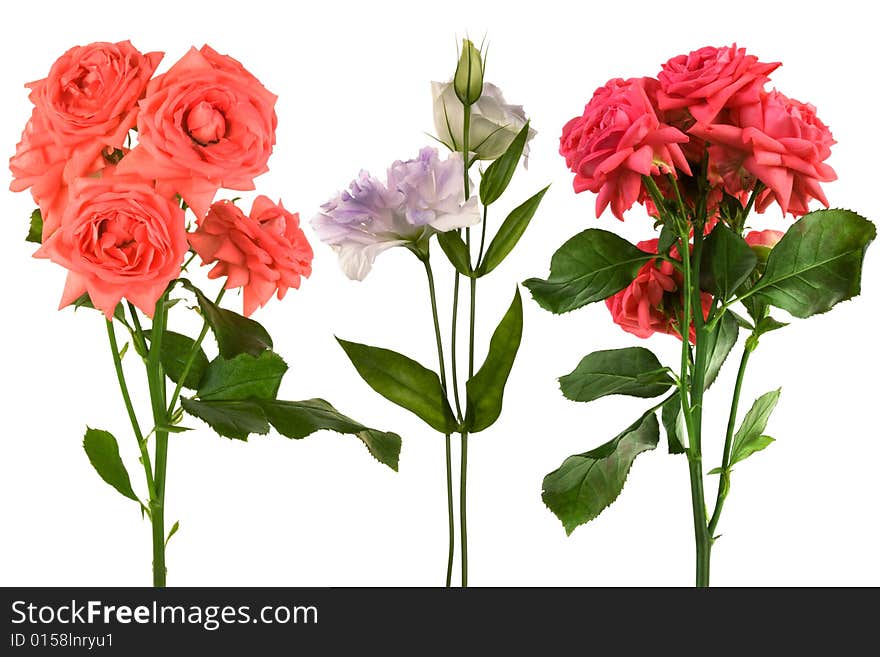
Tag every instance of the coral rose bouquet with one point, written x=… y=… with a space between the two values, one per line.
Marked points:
x=125 y=166
x=431 y=197
x=700 y=147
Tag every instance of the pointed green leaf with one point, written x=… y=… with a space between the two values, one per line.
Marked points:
x=485 y=391
x=403 y=381
x=85 y=301
x=103 y=452
x=176 y=351
x=633 y=371
x=497 y=176
x=667 y=238
x=590 y=267
x=235 y=334
x=586 y=484
x=243 y=377
x=817 y=263
x=298 y=419
x=770 y=324
x=750 y=437
x=727 y=262
x=673 y=421
x=456 y=251
x=173 y=531
x=231 y=418
x=35 y=229
x=509 y=233
x=720 y=343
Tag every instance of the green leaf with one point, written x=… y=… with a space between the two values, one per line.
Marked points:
x=668 y=238
x=509 y=233
x=633 y=371
x=456 y=251
x=721 y=342
x=235 y=333
x=85 y=301
x=35 y=230
x=231 y=418
x=750 y=437
x=103 y=452
x=485 y=390
x=298 y=419
x=590 y=267
x=403 y=381
x=173 y=531
x=243 y=377
x=586 y=484
x=817 y=263
x=497 y=176
x=768 y=324
x=727 y=262
x=176 y=350
x=673 y=421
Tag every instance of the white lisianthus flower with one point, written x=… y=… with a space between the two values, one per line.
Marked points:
x=494 y=123
x=422 y=197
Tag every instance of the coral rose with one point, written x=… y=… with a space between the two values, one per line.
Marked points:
x=118 y=238
x=709 y=79
x=778 y=141
x=647 y=305
x=616 y=141
x=263 y=253
x=206 y=123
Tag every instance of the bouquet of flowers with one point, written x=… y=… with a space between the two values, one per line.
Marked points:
x=120 y=162
x=699 y=147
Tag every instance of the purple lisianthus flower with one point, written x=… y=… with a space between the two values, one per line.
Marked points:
x=422 y=197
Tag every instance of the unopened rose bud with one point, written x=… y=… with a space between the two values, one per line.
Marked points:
x=468 y=81
x=762 y=241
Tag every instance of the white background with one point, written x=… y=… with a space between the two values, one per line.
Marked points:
x=354 y=90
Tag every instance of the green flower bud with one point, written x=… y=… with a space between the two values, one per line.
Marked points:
x=468 y=81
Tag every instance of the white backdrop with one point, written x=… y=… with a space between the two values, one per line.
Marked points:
x=354 y=90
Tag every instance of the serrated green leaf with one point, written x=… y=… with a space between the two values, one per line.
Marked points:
x=590 y=267
x=485 y=390
x=817 y=263
x=456 y=251
x=243 y=377
x=721 y=342
x=667 y=239
x=673 y=422
x=750 y=437
x=176 y=351
x=403 y=381
x=726 y=262
x=103 y=452
x=768 y=324
x=586 y=484
x=497 y=176
x=230 y=418
x=35 y=228
x=633 y=371
x=509 y=233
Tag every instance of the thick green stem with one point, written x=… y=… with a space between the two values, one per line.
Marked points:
x=724 y=482
x=156 y=380
x=449 y=501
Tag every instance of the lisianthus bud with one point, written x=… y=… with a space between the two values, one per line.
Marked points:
x=468 y=81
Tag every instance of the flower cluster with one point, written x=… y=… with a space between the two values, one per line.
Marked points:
x=420 y=197
x=111 y=201
x=704 y=131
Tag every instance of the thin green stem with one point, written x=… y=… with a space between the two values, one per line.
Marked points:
x=724 y=482
x=156 y=380
x=454 y=350
x=482 y=236
x=129 y=407
x=449 y=501
x=191 y=358
x=462 y=499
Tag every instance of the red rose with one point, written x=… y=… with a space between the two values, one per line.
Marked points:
x=206 y=123
x=616 y=141
x=262 y=253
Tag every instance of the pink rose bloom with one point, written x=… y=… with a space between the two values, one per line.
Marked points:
x=643 y=307
x=206 y=123
x=766 y=238
x=86 y=104
x=118 y=238
x=780 y=142
x=264 y=253
x=710 y=79
x=616 y=141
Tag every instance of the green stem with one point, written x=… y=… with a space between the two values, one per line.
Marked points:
x=724 y=482
x=449 y=502
x=463 y=509
x=156 y=380
x=192 y=358
x=129 y=407
x=454 y=345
